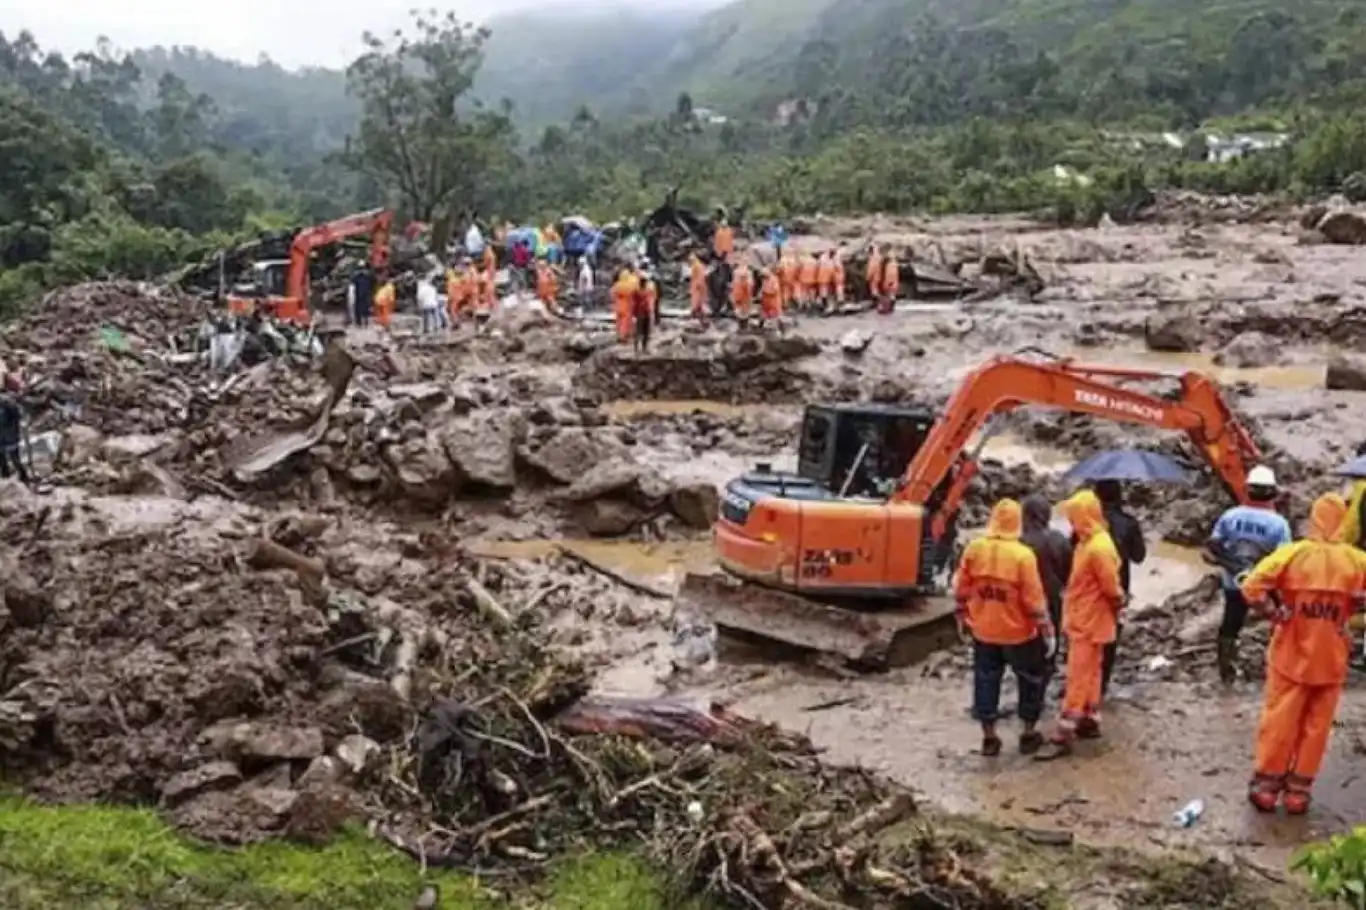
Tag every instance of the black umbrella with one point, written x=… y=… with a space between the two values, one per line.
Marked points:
x=1128 y=464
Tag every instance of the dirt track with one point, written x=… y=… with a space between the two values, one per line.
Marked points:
x=133 y=630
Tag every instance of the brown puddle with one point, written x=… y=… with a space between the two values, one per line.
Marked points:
x=661 y=564
x=627 y=409
x=1292 y=377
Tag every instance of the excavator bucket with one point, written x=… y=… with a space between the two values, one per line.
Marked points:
x=869 y=641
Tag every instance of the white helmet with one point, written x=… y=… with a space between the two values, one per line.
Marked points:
x=1261 y=476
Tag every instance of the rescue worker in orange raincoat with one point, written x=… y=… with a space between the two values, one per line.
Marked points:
x=770 y=296
x=1315 y=586
x=808 y=282
x=838 y=258
x=1090 y=612
x=485 y=294
x=825 y=280
x=874 y=272
x=385 y=300
x=547 y=288
x=890 y=285
x=1001 y=604
x=624 y=303
x=697 y=287
x=742 y=291
x=723 y=241
x=490 y=260
x=787 y=276
x=457 y=291
x=645 y=312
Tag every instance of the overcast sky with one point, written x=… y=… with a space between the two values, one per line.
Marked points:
x=293 y=34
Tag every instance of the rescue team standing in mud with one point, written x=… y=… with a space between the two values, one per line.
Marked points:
x=1017 y=583
x=807 y=282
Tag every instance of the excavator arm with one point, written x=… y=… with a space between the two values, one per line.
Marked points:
x=378 y=223
x=1006 y=383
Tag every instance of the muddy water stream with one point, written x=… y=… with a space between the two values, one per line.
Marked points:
x=1294 y=377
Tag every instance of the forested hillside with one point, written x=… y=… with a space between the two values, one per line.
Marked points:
x=126 y=163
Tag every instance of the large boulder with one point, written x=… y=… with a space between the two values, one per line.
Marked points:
x=695 y=504
x=608 y=517
x=481 y=449
x=1346 y=373
x=619 y=479
x=423 y=470
x=1176 y=334
x=1343 y=227
x=566 y=454
x=1250 y=349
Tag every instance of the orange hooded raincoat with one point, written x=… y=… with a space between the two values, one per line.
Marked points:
x=1090 y=609
x=697 y=286
x=1318 y=581
x=999 y=592
x=742 y=291
x=624 y=304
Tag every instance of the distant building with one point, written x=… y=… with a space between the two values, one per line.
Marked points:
x=708 y=117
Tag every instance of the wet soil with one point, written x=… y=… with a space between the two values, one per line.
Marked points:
x=566 y=473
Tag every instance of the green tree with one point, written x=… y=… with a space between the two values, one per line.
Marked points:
x=417 y=131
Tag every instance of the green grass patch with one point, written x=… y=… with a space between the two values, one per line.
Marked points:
x=107 y=858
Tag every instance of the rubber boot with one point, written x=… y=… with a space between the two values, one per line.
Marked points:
x=1264 y=792
x=1296 y=798
x=1227 y=659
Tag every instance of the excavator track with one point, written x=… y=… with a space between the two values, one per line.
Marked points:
x=865 y=641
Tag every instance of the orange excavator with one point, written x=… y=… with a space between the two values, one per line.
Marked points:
x=851 y=554
x=280 y=286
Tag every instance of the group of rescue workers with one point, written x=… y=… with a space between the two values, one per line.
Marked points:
x=1025 y=591
x=808 y=282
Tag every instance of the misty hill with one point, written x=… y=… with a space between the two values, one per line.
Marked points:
x=550 y=63
x=750 y=54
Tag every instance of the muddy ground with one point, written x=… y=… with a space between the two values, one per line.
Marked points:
x=143 y=624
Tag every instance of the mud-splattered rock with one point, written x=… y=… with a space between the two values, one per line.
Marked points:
x=1342 y=227
x=622 y=479
x=481 y=450
x=1177 y=334
x=423 y=470
x=28 y=604
x=1250 y=349
x=566 y=453
x=695 y=504
x=216 y=775
x=358 y=754
x=263 y=742
x=1346 y=373
x=355 y=701
x=855 y=341
x=608 y=517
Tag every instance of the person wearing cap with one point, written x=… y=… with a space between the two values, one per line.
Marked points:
x=1241 y=538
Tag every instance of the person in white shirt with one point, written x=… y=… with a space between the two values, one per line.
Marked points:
x=428 y=304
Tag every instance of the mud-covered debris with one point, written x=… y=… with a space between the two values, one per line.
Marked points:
x=209 y=776
x=1343 y=227
x=1176 y=334
x=1346 y=373
x=608 y=517
x=265 y=742
x=480 y=448
x=855 y=341
x=695 y=504
x=1251 y=349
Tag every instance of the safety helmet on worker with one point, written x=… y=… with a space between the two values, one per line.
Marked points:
x=1261 y=484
